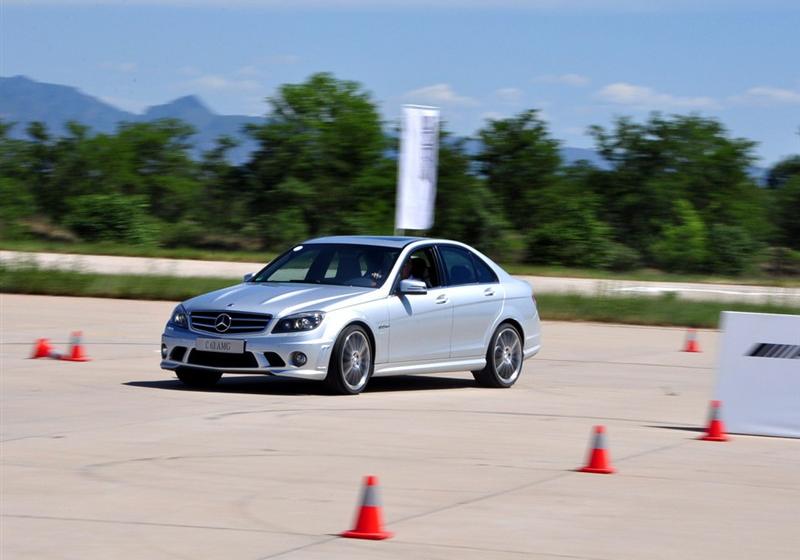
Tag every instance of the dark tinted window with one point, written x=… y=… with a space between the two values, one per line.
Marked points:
x=459 y=265
x=485 y=274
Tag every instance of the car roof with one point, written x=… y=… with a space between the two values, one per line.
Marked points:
x=382 y=241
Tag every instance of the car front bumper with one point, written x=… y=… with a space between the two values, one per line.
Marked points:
x=259 y=351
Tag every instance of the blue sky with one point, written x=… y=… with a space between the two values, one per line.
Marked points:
x=580 y=61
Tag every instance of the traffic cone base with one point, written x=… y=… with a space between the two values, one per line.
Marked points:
x=714 y=438
x=42 y=349
x=607 y=470
x=599 y=462
x=368 y=536
x=369 y=524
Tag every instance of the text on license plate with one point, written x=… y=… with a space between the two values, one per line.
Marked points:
x=220 y=345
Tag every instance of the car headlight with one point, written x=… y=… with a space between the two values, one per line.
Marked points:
x=179 y=317
x=300 y=322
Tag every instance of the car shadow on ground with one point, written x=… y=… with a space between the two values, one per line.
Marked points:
x=276 y=386
x=695 y=429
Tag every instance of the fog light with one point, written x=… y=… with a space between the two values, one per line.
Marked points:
x=299 y=359
x=163 y=351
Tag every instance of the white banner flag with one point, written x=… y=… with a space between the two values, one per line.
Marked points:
x=416 y=181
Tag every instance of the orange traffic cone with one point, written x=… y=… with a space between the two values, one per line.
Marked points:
x=369 y=523
x=599 y=461
x=691 y=341
x=42 y=349
x=716 y=429
x=76 y=353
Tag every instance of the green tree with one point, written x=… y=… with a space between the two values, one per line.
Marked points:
x=465 y=209
x=321 y=137
x=787 y=213
x=518 y=159
x=664 y=159
x=682 y=245
x=783 y=171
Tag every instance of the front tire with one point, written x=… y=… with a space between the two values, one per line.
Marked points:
x=351 y=363
x=198 y=378
x=503 y=359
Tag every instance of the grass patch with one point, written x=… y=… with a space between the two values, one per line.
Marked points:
x=666 y=310
x=644 y=275
x=28 y=279
x=120 y=250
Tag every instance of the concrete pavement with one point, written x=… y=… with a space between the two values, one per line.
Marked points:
x=542 y=284
x=115 y=459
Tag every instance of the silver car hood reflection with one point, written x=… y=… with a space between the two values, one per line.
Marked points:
x=281 y=298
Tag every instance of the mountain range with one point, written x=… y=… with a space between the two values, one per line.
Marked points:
x=23 y=100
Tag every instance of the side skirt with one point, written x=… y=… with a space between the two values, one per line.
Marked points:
x=382 y=370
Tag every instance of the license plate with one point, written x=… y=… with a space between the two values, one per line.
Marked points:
x=220 y=345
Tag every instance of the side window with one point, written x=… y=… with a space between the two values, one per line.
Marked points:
x=421 y=265
x=459 y=265
x=485 y=274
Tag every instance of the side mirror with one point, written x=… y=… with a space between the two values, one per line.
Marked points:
x=248 y=276
x=410 y=287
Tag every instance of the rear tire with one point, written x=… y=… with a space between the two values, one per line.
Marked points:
x=352 y=362
x=503 y=359
x=198 y=378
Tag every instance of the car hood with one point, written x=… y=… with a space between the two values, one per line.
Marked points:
x=279 y=299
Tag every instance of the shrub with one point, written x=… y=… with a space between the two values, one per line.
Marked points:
x=682 y=246
x=621 y=257
x=115 y=218
x=730 y=249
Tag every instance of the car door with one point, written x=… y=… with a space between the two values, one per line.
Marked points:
x=420 y=324
x=477 y=298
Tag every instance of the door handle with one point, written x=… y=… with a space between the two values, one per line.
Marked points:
x=488 y=292
x=441 y=299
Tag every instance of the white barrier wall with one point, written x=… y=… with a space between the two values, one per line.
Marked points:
x=759 y=374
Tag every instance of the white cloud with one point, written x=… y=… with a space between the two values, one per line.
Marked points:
x=123 y=67
x=575 y=80
x=440 y=94
x=509 y=95
x=221 y=83
x=765 y=95
x=643 y=97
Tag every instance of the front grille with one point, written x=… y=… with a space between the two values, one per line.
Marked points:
x=220 y=360
x=240 y=322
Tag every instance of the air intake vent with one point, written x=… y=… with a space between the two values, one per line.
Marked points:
x=222 y=361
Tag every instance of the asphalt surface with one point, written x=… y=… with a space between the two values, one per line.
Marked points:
x=543 y=284
x=115 y=459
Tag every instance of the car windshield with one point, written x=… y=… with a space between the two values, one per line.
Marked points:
x=331 y=263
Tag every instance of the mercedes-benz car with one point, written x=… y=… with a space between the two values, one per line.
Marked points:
x=345 y=309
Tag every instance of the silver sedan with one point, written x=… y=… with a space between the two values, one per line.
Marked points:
x=345 y=309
